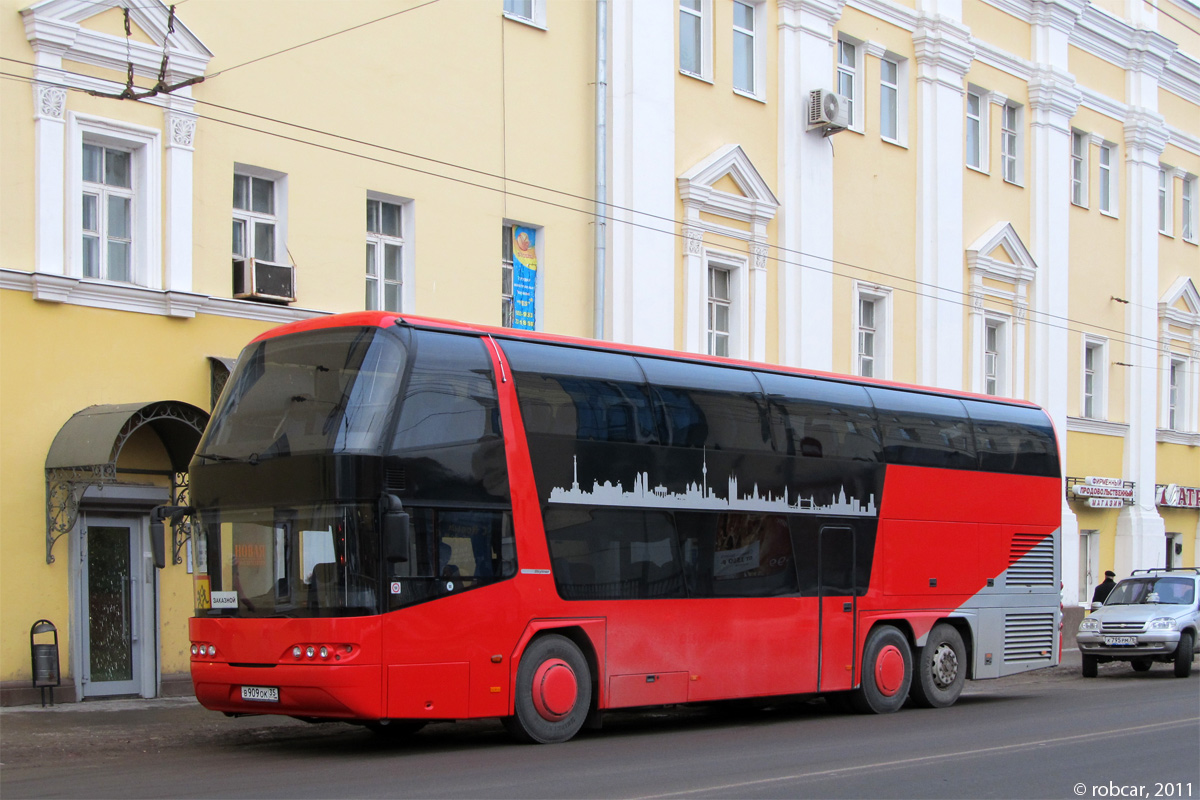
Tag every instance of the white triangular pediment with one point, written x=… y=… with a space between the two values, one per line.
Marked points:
x=999 y=253
x=58 y=27
x=1181 y=303
x=706 y=186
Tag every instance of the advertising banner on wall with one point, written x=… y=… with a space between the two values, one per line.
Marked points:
x=524 y=277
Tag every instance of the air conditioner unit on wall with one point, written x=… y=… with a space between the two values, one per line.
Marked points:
x=261 y=280
x=828 y=110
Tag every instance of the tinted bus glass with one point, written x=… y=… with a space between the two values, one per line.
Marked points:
x=582 y=394
x=737 y=555
x=821 y=419
x=607 y=553
x=704 y=406
x=924 y=430
x=451 y=394
x=1013 y=439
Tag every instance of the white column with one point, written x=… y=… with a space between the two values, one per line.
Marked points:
x=758 y=295
x=177 y=256
x=805 y=268
x=1054 y=99
x=49 y=176
x=944 y=54
x=643 y=173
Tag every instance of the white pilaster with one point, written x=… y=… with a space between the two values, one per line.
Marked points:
x=181 y=133
x=944 y=54
x=805 y=264
x=643 y=247
x=49 y=132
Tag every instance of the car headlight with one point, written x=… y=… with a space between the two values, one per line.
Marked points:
x=1090 y=624
x=1161 y=624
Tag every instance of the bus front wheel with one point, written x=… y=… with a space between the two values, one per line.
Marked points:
x=941 y=668
x=554 y=691
x=886 y=673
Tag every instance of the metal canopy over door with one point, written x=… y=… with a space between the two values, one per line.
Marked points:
x=112 y=578
x=838 y=608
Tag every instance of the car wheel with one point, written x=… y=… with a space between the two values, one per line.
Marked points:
x=1091 y=666
x=554 y=691
x=1141 y=664
x=886 y=673
x=941 y=668
x=1183 y=655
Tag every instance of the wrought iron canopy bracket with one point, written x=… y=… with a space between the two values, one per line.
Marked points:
x=64 y=490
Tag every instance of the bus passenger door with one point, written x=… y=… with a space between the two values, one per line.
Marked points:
x=838 y=608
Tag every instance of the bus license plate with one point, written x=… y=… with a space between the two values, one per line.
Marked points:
x=1116 y=641
x=261 y=694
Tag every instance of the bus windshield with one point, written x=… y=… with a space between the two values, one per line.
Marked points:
x=328 y=391
x=314 y=561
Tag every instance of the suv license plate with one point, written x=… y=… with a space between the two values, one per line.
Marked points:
x=1111 y=641
x=262 y=694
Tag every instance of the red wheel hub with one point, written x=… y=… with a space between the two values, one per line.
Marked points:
x=889 y=670
x=554 y=689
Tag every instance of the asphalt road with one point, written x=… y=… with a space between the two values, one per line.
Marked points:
x=1047 y=734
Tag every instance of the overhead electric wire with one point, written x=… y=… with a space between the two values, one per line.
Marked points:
x=1043 y=318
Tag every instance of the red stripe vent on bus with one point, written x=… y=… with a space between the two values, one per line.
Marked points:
x=1031 y=559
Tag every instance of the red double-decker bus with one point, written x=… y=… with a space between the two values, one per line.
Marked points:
x=399 y=520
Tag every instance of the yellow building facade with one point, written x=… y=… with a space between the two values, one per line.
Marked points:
x=1000 y=197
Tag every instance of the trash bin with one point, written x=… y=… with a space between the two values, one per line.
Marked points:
x=44 y=658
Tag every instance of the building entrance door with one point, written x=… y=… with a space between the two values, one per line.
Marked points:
x=112 y=579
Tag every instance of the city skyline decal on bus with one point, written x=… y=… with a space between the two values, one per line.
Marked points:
x=701 y=497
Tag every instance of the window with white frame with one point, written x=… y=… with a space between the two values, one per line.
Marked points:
x=1079 y=168
x=976 y=129
x=1108 y=179
x=385 y=255
x=995 y=351
x=1010 y=143
x=1188 y=210
x=1095 y=379
x=1177 y=398
x=255 y=223
x=115 y=205
x=507 y=312
x=532 y=12
x=748 y=57
x=871 y=327
x=107 y=213
x=695 y=38
x=720 y=302
x=849 y=78
x=1164 y=200
x=889 y=99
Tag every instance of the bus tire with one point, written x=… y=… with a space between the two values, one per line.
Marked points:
x=554 y=691
x=1091 y=666
x=886 y=672
x=941 y=668
x=1183 y=655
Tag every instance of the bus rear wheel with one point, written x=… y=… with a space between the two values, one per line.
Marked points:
x=941 y=668
x=554 y=691
x=886 y=672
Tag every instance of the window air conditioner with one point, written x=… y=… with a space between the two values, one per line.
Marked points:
x=828 y=110
x=262 y=280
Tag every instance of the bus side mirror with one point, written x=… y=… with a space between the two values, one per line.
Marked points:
x=158 y=542
x=395 y=529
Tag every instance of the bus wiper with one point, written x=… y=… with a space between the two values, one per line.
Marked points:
x=215 y=457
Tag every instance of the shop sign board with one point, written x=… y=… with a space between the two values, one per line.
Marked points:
x=1177 y=496
x=1105 y=502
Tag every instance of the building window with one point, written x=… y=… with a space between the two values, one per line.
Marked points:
x=995 y=351
x=848 y=76
x=889 y=95
x=1164 y=200
x=976 y=130
x=519 y=276
x=255 y=225
x=1079 y=168
x=1095 y=369
x=695 y=37
x=719 y=307
x=506 y=278
x=1188 y=209
x=1177 y=395
x=532 y=12
x=1010 y=143
x=1108 y=180
x=871 y=325
x=866 y=337
x=385 y=255
x=107 y=213
x=745 y=49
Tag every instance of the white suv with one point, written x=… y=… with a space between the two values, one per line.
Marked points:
x=1153 y=615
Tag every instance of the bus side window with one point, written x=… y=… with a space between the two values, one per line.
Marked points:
x=702 y=406
x=924 y=430
x=451 y=394
x=611 y=554
x=821 y=418
x=737 y=555
x=1013 y=439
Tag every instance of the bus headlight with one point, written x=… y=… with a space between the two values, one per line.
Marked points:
x=296 y=651
x=310 y=651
